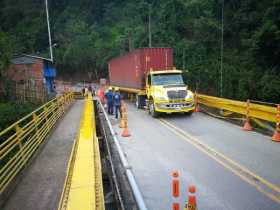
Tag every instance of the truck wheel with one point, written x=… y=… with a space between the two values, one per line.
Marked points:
x=152 y=110
x=189 y=113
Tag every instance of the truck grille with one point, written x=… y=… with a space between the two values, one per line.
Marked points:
x=180 y=94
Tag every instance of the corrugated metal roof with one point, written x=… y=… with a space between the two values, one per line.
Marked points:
x=27 y=59
x=23 y=60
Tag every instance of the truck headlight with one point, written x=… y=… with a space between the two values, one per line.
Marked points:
x=189 y=96
x=160 y=96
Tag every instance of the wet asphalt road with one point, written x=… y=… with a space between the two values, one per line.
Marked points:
x=154 y=150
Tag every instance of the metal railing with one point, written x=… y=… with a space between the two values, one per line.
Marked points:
x=19 y=142
x=253 y=110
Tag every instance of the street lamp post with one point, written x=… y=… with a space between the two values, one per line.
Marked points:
x=49 y=30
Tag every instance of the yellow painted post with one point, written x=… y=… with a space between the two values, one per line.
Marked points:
x=46 y=113
x=60 y=104
x=63 y=104
x=18 y=137
x=35 y=120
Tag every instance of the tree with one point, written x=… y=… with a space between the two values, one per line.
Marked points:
x=5 y=52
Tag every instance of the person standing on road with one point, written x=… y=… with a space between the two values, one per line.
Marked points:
x=117 y=102
x=90 y=89
x=109 y=98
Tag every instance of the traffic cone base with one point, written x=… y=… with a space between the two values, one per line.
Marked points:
x=175 y=206
x=191 y=205
x=197 y=108
x=125 y=133
x=247 y=126
x=276 y=136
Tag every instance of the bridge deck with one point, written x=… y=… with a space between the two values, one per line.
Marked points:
x=183 y=143
x=43 y=181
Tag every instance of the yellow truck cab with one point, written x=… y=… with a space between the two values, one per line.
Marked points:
x=167 y=93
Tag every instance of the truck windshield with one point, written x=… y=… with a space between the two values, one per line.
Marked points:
x=167 y=79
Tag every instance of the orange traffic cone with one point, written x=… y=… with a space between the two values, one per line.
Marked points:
x=247 y=126
x=123 y=110
x=175 y=206
x=125 y=132
x=175 y=184
x=191 y=205
x=175 y=188
x=196 y=103
x=197 y=108
x=276 y=136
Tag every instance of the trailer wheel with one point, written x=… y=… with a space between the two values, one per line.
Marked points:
x=152 y=110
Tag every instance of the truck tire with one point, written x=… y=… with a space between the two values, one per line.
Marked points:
x=152 y=110
x=189 y=113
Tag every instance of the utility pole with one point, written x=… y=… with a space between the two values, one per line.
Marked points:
x=150 y=33
x=184 y=59
x=49 y=30
x=222 y=51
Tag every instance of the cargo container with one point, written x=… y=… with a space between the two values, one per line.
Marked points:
x=149 y=74
x=130 y=70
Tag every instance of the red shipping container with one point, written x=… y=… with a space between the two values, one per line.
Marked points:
x=130 y=70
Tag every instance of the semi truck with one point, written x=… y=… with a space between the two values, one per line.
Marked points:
x=149 y=75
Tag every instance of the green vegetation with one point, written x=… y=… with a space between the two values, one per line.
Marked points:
x=89 y=33
x=11 y=112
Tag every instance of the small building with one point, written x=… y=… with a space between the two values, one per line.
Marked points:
x=32 y=70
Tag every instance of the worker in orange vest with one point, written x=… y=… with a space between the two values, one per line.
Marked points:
x=101 y=95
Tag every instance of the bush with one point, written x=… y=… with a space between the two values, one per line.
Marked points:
x=10 y=112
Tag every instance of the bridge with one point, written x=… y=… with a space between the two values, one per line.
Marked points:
x=69 y=154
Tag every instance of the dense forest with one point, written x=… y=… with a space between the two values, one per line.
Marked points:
x=87 y=33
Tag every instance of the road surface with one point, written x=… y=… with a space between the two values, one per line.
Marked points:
x=231 y=169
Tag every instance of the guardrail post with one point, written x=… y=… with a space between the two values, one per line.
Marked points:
x=46 y=113
x=35 y=120
x=18 y=138
x=247 y=126
x=67 y=97
x=62 y=104
x=276 y=135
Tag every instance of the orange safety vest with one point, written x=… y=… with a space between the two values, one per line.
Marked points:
x=101 y=95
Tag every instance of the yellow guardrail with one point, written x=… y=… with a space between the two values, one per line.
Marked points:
x=83 y=187
x=253 y=110
x=19 y=141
